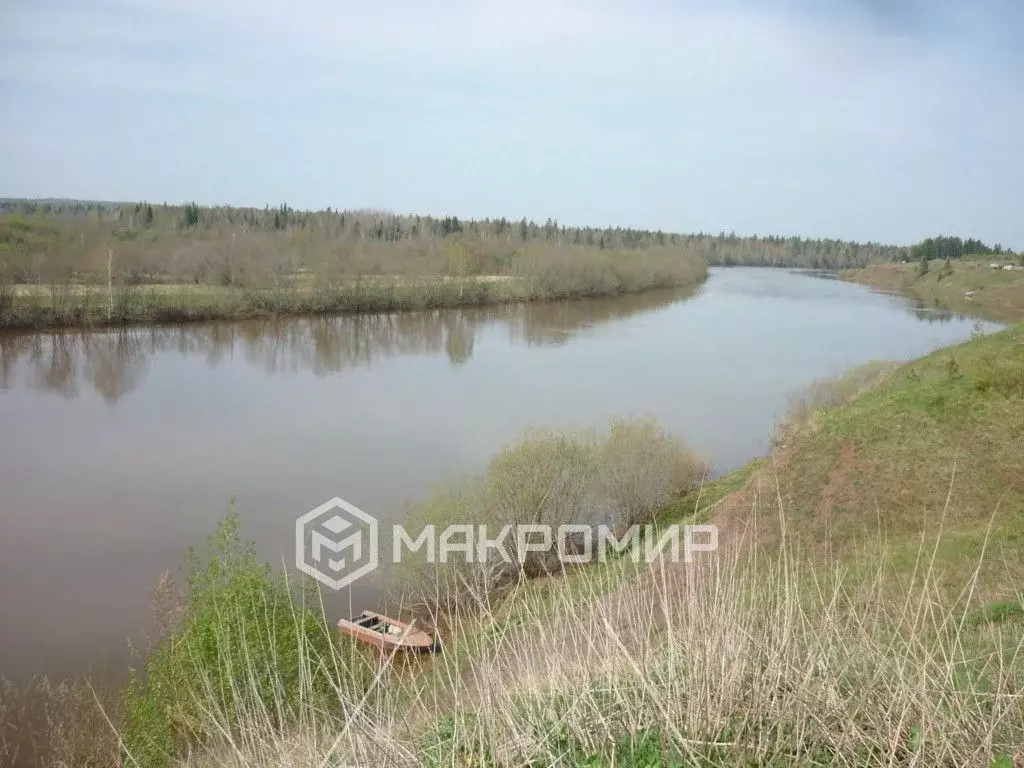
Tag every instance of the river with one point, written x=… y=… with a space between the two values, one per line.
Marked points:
x=119 y=449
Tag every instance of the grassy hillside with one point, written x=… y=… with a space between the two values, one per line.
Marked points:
x=936 y=446
x=971 y=286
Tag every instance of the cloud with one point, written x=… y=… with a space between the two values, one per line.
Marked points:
x=851 y=118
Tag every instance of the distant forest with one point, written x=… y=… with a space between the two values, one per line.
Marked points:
x=378 y=237
x=157 y=222
x=953 y=248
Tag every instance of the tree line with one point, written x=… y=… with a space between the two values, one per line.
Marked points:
x=126 y=220
x=948 y=247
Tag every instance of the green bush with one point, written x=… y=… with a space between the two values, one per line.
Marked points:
x=246 y=648
x=550 y=478
x=641 y=467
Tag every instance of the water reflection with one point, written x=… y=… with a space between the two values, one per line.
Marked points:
x=936 y=313
x=113 y=363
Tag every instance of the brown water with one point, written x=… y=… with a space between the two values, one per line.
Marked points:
x=118 y=450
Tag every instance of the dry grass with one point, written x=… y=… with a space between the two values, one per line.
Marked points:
x=70 y=723
x=749 y=657
x=576 y=276
x=902 y=647
x=753 y=656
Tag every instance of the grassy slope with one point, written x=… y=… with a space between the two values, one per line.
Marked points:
x=937 y=446
x=995 y=294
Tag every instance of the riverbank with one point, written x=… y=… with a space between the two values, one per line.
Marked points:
x=971 y=287
x=65 y=269
x=91 y=306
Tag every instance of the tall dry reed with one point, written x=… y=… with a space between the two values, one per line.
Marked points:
x=748 y=656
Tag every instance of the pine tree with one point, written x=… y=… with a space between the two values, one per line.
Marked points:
x=191 y=215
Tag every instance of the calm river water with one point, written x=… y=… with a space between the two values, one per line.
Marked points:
x=118 y=450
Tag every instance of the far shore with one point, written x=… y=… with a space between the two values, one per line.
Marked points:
x=969 y=287
x=65 y=306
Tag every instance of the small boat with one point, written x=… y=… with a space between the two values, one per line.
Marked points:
x=388 y=634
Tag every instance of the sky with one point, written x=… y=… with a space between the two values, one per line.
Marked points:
x=881 y=120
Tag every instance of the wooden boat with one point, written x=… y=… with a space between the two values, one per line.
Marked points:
x=388 y=634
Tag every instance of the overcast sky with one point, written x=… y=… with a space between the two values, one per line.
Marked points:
x=884 y=120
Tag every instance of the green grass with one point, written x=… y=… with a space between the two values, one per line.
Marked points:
x=896 y=541
x=948 y=424
x=697 y=506
x=999 y=612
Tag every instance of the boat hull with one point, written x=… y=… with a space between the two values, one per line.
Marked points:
x=388 y=634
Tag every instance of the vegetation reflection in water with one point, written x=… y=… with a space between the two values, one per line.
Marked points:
x=114 y=363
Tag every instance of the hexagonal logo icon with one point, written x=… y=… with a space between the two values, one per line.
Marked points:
x=336 y=543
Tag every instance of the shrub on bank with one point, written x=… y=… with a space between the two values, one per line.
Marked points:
x=249 y=649
x=550 y=478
